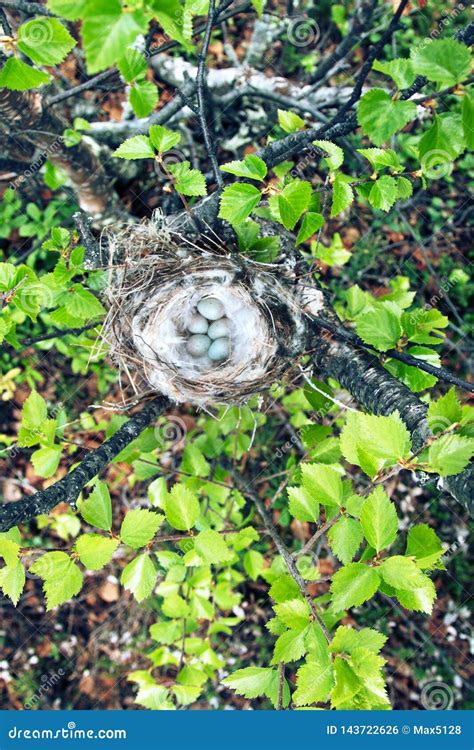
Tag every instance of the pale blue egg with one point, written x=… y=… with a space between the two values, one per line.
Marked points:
x=219 y=349
x=211 y=308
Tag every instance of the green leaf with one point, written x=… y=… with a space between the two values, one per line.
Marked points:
x=254 y=563
x=289 y=646
x=238 y=201
x=45 y=40
x=420 y=324
x=9 y=550
x=181 y=508
x=80 y=303
x=399 y=70
x=381 y=325
x=303 y=505
x=284 y=588
x=97 y=509
x=12 y=580
x=310 y=224
x=323 y=482
x=212 y=548
x=374 y=442
x=347 y=639
x=414 y=590
x=353 y=585
x=139 y=577
x=379 y=520
x=175 y=606
x=163 y=139
x=342 y=195
x=188 y=181
x=314 y=683
x=62 y=578
x=380 y=116
x=415 y=379
x=450 y=454
x=95 y=550
x=293 y=200
x=383 y=193
x=419 y=598
x=72 y=10
x=107 y=31
x=251 y=166
x=335 y=154
x=143 y=98
x=34 y=411
x=334 y=255
x=45 y=461
x=468 y=119
x=139 y=527
x=253 y=682
x=18 y=76
x=132 y=65
x=347 y=684
x=424 y=545
x=404 y=188
x=444 y=412
x=295 y=613
x=345 y=538
x=380 y=158
x=444 y=61
x=290 y=122
x=138 y=147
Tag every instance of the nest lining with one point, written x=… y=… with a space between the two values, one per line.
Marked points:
x=156 y=279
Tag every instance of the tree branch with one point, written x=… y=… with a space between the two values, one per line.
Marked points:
x=69 y=487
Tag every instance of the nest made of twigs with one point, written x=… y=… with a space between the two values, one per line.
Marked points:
x=157 y=277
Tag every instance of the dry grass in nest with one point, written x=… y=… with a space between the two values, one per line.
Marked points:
x=156 y=278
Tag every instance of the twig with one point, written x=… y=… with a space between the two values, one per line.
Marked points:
x=288 y=559
x=56 y=334
x=201 y=93
x=281 y=681
x=407 y=359
x=69 y=487
x=317 y=535
x=92 y=256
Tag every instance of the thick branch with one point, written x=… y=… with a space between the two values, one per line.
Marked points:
x=69 y=487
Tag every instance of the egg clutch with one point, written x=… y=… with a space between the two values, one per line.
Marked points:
x=210 y=331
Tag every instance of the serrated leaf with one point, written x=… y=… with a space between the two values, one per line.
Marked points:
x=181 y=508
x=347 y=684
x=303 y=504
x=132 y=65
x=342 y=195
x=346 y=639
x=251 y=167
x=289 y=646
x=97 y=509
x=284 y=588
x=374 y=442
x=335 y=154
x=413 y=377
x=238 y=201
x=444 y=61
x=444 y=412
x=45 y=40
x=139 y=577
x=383 y=193
x=34 y=411
x=253 y=682
x=139 y=527
x=12 y=580
x=314 y=683
x=62 y=578
x=9 y=550
x=82 y=304
x=400 y=71
x=324 y=482
x=353 y=585
x=107 y=31
x=293 y=200
x=138 y=147
x=418 y=598
x=175 y=606
x=424 y=545
x=163 y=139
x=380 y=116
x=95 y=550
x=379 y=520
x=143 y=98
x=295 y=613
x=254 y=563
x=450 y=454
x=404 y=188
x=468 y=119
x=290 y=122
x=345 y=538
x=188 y=181
x=46 y=461
x=310 y=224
x=381 y=158
x=212 y=548
x=18 y=76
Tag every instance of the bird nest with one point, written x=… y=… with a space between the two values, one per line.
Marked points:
x=158 y=280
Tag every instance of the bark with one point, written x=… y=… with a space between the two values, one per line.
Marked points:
x=26 y=120
x=69 y=487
